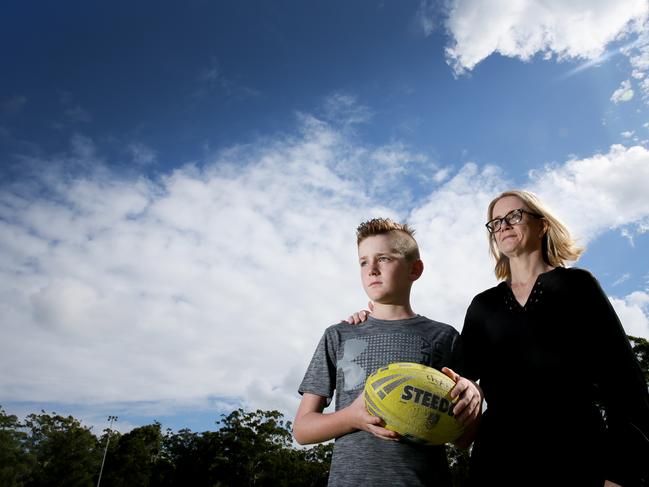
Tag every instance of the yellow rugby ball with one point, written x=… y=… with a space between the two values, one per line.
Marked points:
x=414 y=401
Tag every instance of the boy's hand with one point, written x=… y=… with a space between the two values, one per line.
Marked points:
x=360 y=316
x=469 y=405
x=363 y=420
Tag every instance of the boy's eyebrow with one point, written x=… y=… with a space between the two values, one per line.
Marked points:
x=380 y=254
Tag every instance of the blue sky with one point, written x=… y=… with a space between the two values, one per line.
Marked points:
x=180 y=183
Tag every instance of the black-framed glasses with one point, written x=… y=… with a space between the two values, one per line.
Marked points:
x=511 y=218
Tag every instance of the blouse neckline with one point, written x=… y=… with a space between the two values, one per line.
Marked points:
x=535 y=296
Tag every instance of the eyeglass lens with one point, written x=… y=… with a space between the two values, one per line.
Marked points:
x=511 y=218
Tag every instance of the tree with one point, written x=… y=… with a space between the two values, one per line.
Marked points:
x=188 y=458
x=63 y=452
x=312 y=466
x=641 y=350
x=458 y=461
x=130 y=462
x=249 y=449
x=15 y=462
x=252 y=444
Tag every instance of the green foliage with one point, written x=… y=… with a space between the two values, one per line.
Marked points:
x=249 y=449
x=133 y=458
x=641 y=350
x=15 y=463
x=62 y=452
x=458 y=460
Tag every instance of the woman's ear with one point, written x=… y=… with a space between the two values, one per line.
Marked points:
x=544 y=228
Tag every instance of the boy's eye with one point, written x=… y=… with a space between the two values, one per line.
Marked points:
x=384 y=258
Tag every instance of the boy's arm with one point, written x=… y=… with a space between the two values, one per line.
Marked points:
x=311 y=425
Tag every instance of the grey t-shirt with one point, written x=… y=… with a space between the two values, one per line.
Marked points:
x=344 y=358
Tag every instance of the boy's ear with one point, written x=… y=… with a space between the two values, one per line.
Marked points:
x=416 y=269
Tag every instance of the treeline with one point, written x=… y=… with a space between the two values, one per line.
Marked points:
x=247 y=449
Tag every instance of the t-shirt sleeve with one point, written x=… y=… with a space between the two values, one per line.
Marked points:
x=320 y=376
x=621 y=387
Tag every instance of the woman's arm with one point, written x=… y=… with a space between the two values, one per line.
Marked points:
x=468 y=408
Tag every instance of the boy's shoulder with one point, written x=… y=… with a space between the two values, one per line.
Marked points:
x=430 y=322
x=372 y=325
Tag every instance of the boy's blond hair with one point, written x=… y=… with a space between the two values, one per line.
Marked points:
x=404 y=240
x=557 y=246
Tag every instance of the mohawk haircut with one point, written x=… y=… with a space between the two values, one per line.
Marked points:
x=403 y=235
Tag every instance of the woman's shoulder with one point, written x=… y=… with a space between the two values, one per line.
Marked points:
x=571 y=274
x=490 y=294
x=572 y=280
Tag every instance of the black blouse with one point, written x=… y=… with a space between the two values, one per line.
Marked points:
x=559 y=377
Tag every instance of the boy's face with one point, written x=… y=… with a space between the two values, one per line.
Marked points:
x=386 y=275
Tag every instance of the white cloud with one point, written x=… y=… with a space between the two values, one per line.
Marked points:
x=638 y=54
x=189 y=286
x=600 y=192
x=633 y=311
x=623 y=93
x=627 y=134
x=142 y=153
x=343 y=108
x=639 y=59
x=623 y=278
x=427 y=16
x=217 y=281
x=524 y=28
x=450 y=226
x=644 y=87
x=213 y=80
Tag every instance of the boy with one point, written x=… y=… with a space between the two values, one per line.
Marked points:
x=365 y=453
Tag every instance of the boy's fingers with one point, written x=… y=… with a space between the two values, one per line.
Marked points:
x=374 y=420
x=383 y=433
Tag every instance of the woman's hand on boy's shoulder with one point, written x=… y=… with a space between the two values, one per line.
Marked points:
x=360 y=316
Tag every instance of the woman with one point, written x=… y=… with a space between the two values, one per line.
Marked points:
x=566 y=400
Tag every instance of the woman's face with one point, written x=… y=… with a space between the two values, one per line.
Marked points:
x=519 y=238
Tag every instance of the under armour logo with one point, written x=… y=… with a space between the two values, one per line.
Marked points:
x=353 y=373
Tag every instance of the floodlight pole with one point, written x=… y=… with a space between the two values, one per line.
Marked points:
x=110 y=430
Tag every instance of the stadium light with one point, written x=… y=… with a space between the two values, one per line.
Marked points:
x=110 y=430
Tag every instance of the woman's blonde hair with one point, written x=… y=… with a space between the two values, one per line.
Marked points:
x=557 y=246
